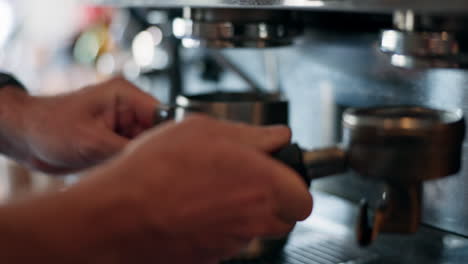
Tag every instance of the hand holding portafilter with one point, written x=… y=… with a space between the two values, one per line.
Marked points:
x=401 y=146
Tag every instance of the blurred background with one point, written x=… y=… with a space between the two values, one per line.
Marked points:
x=58 y=46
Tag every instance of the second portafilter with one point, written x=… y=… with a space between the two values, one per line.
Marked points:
x=399 y=146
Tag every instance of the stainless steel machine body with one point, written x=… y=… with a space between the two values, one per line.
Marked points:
x=234 y=28
x=427 y=40
x=329 y=71
x=342 y=5
x=399 y=147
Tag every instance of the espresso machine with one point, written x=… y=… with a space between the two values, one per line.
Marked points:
x=377 y=90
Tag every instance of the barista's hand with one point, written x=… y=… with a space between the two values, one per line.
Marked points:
x=194 y=192
x=80 y=129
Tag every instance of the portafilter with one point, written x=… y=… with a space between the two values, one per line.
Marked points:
x=397 y=146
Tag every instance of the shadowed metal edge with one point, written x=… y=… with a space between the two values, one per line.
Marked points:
x=437 y=6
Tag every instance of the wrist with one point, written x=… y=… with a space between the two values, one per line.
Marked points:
x=13 y=104
x=31 y=230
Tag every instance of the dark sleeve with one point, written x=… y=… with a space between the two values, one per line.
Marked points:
x=8 y=80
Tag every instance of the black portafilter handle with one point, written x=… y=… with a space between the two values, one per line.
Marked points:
x=313 y=164
x=308 y=164
x=293 y=156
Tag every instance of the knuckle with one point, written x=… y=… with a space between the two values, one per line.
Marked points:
x=91 y=149
x=121 y=84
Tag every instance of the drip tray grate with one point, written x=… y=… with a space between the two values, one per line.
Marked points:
x=317 y=248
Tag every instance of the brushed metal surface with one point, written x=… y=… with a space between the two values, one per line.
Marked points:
x=329 y=72
x=344 y=5
x=324 y=238
x=236 y=28
x=347 y=70
x=328 y=238
x=250 y=108
x=403 y=145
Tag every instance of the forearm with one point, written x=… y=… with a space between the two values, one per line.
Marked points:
x=51 y=229
x=86 y=224
x=26 y=233
x=13 y=104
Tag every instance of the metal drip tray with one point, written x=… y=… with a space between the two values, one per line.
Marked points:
x=325 y=249
x=320 y=240
x=314 y=247
x=328 y=238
